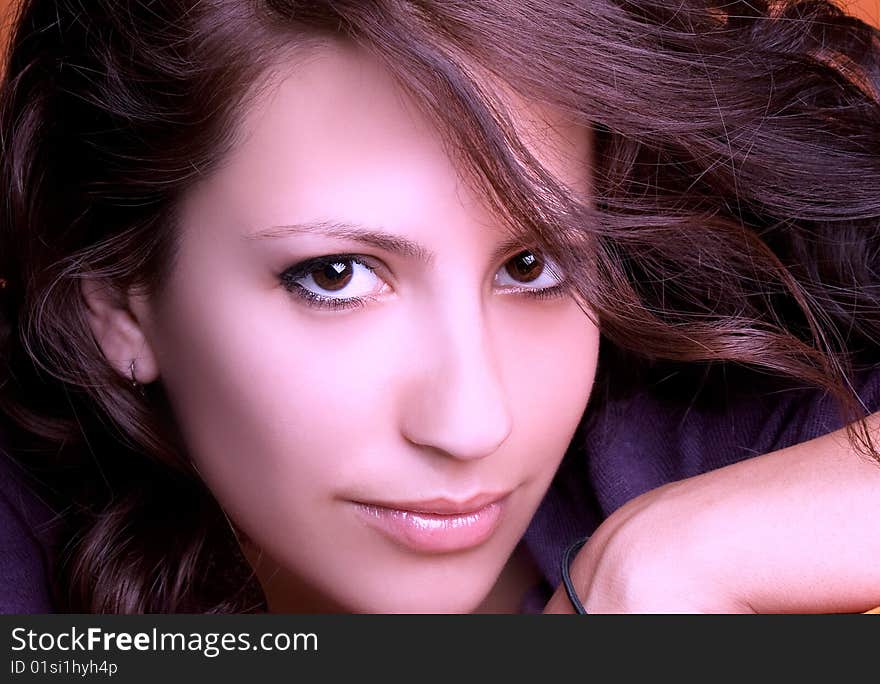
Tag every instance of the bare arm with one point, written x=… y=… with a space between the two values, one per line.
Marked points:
x=796 y=530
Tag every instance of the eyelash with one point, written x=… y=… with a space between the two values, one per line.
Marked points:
x=289 y=277
x=301 y=270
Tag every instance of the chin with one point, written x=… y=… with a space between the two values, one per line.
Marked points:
x=429 y=605
x=453 y=597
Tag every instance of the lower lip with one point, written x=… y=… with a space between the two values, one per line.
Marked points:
x=433 y=533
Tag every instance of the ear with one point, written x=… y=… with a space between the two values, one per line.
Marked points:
x=119 y=331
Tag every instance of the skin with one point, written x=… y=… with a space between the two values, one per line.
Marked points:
x=442 y=386
x=449 y=382
x=793 y=531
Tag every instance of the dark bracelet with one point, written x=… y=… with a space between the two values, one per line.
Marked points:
x=566 y=577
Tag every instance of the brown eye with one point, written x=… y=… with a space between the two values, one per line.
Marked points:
x=333 y=276
x=531 y=274
x=335 y=281
x=524 y=267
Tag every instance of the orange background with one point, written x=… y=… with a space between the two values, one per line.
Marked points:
x=869 y=10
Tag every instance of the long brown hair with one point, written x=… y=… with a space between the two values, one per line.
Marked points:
x=735 y=221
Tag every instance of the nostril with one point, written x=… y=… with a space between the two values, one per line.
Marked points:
x=457 y=401
x=464 y=431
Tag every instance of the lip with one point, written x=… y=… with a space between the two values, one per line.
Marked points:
x=436 y=525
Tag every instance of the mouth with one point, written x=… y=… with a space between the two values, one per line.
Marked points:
x=436 y=525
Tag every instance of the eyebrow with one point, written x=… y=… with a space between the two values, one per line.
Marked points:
x=379 y=239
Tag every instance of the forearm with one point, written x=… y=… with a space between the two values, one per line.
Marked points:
x=796 y=530
x=800 y=529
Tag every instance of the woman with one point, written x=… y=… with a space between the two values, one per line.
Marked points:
x=313 y=291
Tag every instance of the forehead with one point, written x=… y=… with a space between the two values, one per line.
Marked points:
x=331 y=136
x=335 y=102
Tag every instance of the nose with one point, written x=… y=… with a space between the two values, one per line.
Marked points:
x=458 y=404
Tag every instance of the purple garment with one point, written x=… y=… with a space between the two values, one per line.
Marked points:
x=25 y=543
x=637 y=444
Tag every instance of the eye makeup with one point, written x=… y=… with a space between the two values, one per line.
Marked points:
x=335 y=267
x=331 y=266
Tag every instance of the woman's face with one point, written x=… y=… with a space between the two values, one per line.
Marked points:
x=374 y=386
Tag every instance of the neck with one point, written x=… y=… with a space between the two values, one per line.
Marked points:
x=518 y=577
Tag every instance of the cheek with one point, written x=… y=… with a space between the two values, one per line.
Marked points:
x=280 y=407
x=272 y=395
x=283 y=409
x=254 y=390
x=551 y=351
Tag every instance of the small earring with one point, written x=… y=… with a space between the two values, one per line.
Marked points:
x=135 y=385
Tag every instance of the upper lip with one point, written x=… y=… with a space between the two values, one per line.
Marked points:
x=442 y=505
